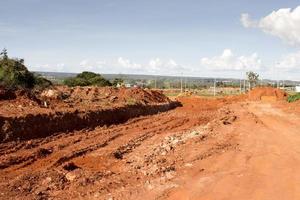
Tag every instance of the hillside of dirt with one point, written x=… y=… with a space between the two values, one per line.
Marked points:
x=78 y=98
x=200 y=150
x=118 y=161
x=26 y=115
x=267 y=94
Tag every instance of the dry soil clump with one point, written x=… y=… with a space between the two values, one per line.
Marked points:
x=267 y=93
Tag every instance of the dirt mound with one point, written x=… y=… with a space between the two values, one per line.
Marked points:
x=61 y=98
x=6 y=94
x=65 y=109
x=267 y=93
x=106 y=95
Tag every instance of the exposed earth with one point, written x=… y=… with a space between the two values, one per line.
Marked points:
x=243 y=147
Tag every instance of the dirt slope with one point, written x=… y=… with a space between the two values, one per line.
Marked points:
x=207 y=149
x=120 y=160
x=31 y=115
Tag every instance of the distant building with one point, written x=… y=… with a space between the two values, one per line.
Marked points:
x=128 y=85
x=298 y=88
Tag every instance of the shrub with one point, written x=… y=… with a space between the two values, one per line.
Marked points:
x=87 y=79
x=14 y=74
x=294 y=97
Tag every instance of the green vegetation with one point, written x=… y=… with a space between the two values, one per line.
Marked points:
x=14 y=74
x=294 y=97
x=118 y=81
x=253 y=78
x=87 y=79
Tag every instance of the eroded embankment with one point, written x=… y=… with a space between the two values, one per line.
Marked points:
x=42 y=125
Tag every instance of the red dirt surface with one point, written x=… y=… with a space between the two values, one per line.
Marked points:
x=103 y=162
x=261 y=93
x=62 y=109
x=78 y=98
x=227 y=148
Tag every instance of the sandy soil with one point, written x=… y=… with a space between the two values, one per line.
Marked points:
x=207 y=149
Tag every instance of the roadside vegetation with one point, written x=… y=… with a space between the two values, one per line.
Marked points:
x=87 y=79
x=253 y=79
x=293 y=98
x=15 y=75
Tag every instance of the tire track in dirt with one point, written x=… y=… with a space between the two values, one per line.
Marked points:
x=91 y=152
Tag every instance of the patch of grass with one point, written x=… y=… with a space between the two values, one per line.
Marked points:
x=293 y=98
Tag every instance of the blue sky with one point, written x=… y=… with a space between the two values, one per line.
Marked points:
x=167 y=37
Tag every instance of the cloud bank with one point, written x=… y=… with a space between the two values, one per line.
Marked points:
x=289 y=62
x=117 y=65
x=229 y=61
x=283 y=23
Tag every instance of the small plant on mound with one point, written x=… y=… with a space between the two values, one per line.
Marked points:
x=293 y=98
x=14 y=74
x=87 y=79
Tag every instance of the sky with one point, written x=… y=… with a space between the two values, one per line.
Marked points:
x=159 y=37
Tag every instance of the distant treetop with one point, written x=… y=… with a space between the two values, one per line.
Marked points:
x=87 y=79
x=14 y=74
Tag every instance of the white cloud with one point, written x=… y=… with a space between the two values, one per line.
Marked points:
x=84 y=63
x=116 y=65
x=60 y=67
x=283 y=23
x=126 y=63
x=229 y=61
x=164 y=66
x=246 y=21
x=290 y=62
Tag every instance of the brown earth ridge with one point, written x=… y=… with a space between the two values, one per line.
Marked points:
x=208 y=148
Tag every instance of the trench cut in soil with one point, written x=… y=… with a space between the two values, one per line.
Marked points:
x=43 y=125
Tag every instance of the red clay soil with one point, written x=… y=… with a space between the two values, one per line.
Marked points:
x=293 y=107
x=78 y=98
x=64 y=109
x=97 y=164
x=259 y=93
x=225 y=148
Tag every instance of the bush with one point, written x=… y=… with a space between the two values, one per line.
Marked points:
x=87 y=79
x=294 y=97
x=14 y=74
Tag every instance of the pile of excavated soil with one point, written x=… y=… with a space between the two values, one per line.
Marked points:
x=68 y=99
x=293 y=107
x=115 y=162
x=267 y=93
x=105 y=95
x=65 y=109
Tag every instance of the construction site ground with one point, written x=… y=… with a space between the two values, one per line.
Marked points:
x=223 y=148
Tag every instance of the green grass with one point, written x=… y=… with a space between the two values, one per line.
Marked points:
x=294 y=97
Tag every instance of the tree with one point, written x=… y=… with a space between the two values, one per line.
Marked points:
x=252 y=78
x=14 y=74
x=118 y=82
x=4 y=54
x=87 y=79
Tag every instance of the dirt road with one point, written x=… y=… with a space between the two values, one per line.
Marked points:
x=265 y=166
x=207 y=149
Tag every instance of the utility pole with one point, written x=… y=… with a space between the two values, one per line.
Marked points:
x=181 y=88
x=277 y=78
x=244 y=85
x=240 y=86
x=215 y=87
x=155 y=83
